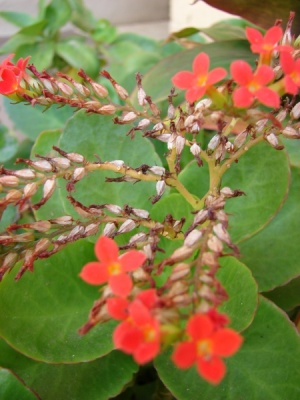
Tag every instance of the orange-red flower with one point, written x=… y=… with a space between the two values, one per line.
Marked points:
x=291 y=69
x=200 y=80
x=266 y=45
x=253 y=85
x=111 y=267
x=139 y=334
x=205 y=346
x=11 y=75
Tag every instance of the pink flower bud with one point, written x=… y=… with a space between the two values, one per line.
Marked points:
x=42 y=165
x=25 y=174
x=9 y=180
x=192 y=238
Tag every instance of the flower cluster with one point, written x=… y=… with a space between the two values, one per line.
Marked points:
x=141 y=332
x=250 y=86
x=12 y=75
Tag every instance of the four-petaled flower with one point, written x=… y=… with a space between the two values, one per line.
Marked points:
x=253 y=85
x=200 y=80
x=111 y=267
x=139 y=334
x=11 y=75
x=266 y=45
x=291 y=68
x=205 y=347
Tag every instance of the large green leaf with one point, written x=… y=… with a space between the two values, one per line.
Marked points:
x=242 y=292
x=96 y=135
x=41 y=52
x=12 y=389
x=31 y=121
x=8 y=145
x=265 y=187
x=100 y=379
x=274 y=253
x=266 y=367
x=57 y=14
x=157 y=82
x=287 y=296
x=43 y=311
x=17 y=18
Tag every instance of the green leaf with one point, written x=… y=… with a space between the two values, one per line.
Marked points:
x=44 y=310
x=17 y=18
x=69 y=50
x=35 y=29
x=7 y=217
x=242 y=292
x=292 y=146
x=266 y=367
x=57 y=14
x=157 y=83
x=82 y=17
x=8 y=145
x=31 y=121
x=273 y=254
x=225 y=30
x=286 y=297
x=184 y=33
x=101 y=379
x=12 y=389
x=11 y=45
x=92 y=135
x=41 y=53
x=264 y=185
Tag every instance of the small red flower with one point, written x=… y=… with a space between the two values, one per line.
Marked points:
x=111 y=267
x=291 y=68
x=11 y=75
x=205 y=347
x=253 y=85
x=266 y=45
x=139 y=334
x=200 y=80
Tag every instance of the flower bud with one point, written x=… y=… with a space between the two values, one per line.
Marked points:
x=78 y=173
x=179 y=143
x=127 y=226
x=65 y=220
x=121 y=92
x=75 y=157
x=48 y=189
x=41 y=226
x=160 y=187
x=76 y=232
x=222 y=234
x=91 y=229
x=179 y=271
x=240 y=139
x=157 y=170
x=171 y=111
x=109 y=229
x=290 y=133
x=195 y=149
x=143 y=123
x=214 y=142
x=139 y=237
x=117 y=163
x=295 y=112
x=210 y=259
x=25 y=174
x=158 y=127
x=41 y=246
x=141 y=95
x=99 y=89
x=140 y=213
x=65 y=88
x=192 y=238
x=182 y=253
x=113 y=208
x=148 y=251
x=200 y=217
x=129 y=117
x=273 y=140
x=9 y=180
x=12 y=196
x=205 y=103
x=61 y=162
x=42 y=165
x=215 y=244
x=107 y=109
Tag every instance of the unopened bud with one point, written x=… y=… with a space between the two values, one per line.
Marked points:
x=91 y=229
x=260 y=125
x=205 y=103
x=210 y=259
x=9 y=180
x=117 y=163
x=179 y=271
x=295 y=112
x=65 y=220
x=227 y=192
x=290 y=133
x=221 y=232
x=141 y=94
x=214 y=142
x=143 y=123
x=61 y=162
x=172 y=141
x=192 y=238
x=65 y=88
x=109 y=229
x=281 y=115
x=12 y=196
x=78 y=173
x=140 y=213
x=42 y=165
x=157 y=170
x=75 y=157
x=76 y=232
x=137 y=238
x=9 y=260
x=273 y=140
x=99 y=89
x=158 y=127
x=179 y=143
x=171 y=111
x=160 y=188
x=41 y=226
x=113 y=208
x=25 y=174
x=129 y=117
x=139 y=275
x=215 y=244
x=121 y=92
x=127 y=226
x=229 y=147
x=195 y=149
x=41 y=246
x=148 y=251
x=48 y=188
x=182 y=253
x=164 y=137
x=240 y=139
x=107 y=109
x=200 y=217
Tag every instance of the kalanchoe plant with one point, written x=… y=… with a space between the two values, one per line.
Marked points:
x=170 y=282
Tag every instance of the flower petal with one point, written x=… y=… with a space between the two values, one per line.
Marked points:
x=148 y=297
x=132 y=260
x=242 y=97
x=184 y=355
x=201 y=64
x=216 y=75
x=212 y=370
x=127 y=337
x=195 y=93
x=268 y=97
x=94 y=273
x=146 y=351
x=289 y=84
x=273 y=35
x=264 y=75
x=241 y=72
x=226 y=342
x=120 y=284
x=184 y=79
x=253 y=35
x=106 y=250
x=200 y=326
x=117 y=307
x=287 y=62
x=140 y=313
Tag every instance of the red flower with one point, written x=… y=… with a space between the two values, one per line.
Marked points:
x=252 y=85
x=205 y=347
x=139 y=334
x=200 y=80
x=111 y=267
x=11 y=75
x=291 y=68
x=266 y=45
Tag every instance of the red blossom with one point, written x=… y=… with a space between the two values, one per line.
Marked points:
x=111 y=267
x=291 y=68
x=266 y=45
x=11 y=75
x=200 y=80
x=205 y=347
x=253 y=85
x=139 y=334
